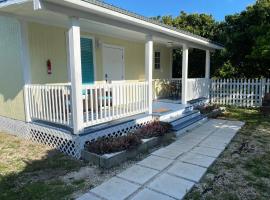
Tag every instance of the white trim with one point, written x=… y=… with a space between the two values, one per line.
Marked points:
x=37 y=4
x=103 y=58
x=11 y=2
x=185 y=75
x=207 y=64
x=149 y=49
x=25 y=62
x=76 y=74
x=171 y=63
x=94 y=53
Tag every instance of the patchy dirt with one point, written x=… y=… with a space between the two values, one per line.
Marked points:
x=243 y=170
x=94 y=176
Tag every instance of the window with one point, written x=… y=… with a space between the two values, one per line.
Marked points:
x=157 y=60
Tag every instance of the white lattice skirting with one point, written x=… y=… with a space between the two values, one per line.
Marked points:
x=62 y=140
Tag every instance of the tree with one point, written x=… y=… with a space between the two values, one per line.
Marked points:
x=200 y=24
x=246 y=37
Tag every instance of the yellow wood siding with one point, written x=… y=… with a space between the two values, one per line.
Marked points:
x=165 y=64
x=11 y=73
x=49 y=42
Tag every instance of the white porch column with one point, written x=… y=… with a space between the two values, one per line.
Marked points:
x=25 y=60
x=207 y=72
x=184 y=74
x=75 y=74
x=207 y=65
x=149 y=70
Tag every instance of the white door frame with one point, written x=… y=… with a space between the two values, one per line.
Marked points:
x=103 y=57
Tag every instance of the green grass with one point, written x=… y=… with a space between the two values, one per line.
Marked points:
x=243 y=170
x=30 y=171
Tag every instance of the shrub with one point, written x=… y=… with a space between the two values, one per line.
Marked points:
x=154 y=129
x=112 y=145
x=207 y=109
x=127 y=142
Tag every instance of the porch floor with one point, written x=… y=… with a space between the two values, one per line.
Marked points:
x=164 y=107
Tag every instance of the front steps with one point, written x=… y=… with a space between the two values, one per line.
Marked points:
x=186 y=121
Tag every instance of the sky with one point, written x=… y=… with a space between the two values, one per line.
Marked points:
x=218 y=8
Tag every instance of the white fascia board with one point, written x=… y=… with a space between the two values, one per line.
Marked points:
x=138 y=22
x=12 y=2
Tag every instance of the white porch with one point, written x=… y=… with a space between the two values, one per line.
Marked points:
x=76 y=105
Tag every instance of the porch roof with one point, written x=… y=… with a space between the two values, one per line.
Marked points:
x=147 y=19
x=108 y=14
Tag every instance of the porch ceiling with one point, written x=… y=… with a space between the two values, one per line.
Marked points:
x=26 y=11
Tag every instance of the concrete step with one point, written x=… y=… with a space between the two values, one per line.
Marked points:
x=182 y=118
x=188 y=123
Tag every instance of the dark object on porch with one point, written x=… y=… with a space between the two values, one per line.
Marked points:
x=265 y=108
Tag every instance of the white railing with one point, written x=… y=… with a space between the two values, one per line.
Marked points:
x=106 y=102
x=49 y=103
x=167 y=88
x=197 y=88
x=239 y=92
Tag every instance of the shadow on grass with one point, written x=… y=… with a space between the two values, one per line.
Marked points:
x=39 y=179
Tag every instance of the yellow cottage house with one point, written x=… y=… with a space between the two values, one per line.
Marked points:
x=76 y=70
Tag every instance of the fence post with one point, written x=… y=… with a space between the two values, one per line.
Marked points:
x=262 y=90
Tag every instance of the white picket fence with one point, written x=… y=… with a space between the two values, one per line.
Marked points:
x=239 y=92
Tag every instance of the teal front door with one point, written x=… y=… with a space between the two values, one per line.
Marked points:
x=87 y=57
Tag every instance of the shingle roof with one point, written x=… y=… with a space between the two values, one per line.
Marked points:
x=137 y=16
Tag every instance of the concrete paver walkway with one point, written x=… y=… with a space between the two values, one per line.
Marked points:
x=170 y=172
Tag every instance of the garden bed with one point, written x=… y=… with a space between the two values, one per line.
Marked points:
x=110 y=152
x=211 y=111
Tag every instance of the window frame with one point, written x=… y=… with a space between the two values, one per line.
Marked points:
x=157 y=65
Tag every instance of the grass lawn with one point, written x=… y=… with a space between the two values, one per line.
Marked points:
x=31 y=171
x=243 y=170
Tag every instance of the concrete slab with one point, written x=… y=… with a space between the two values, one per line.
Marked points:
x=214 y=143
x=189 y=156
x=207 y=151
x=236 y=123
x=138 y=174
x=171 y=186
x=147 y=194
x=188 y=171
x=224 y=135
x=197 y=159
x=88 y=196
x=155 y=162
x=165 y=153
x=180 y=146
x=115 y=189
